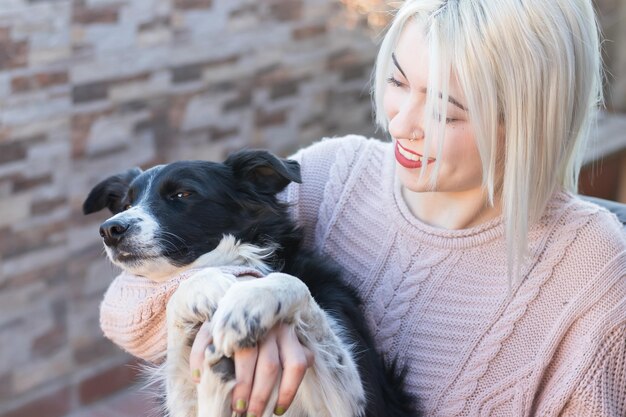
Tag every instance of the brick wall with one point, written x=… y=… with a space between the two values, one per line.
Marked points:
x=91 y=87
x=612 y=15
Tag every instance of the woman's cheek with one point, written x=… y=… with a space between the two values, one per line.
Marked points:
x=390 y=103
x=462 y=152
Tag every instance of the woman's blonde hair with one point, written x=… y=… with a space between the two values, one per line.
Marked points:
x=532 y=75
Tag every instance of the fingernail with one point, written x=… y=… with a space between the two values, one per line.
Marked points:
x=236 y=414
x=280 y=410
x=196 y=374
x=250 y=415
x=241 y=405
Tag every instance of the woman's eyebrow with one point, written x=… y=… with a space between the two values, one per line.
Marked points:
x=423 y=90
x=395 y=61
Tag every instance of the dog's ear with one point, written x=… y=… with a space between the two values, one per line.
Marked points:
x=110 y=192
x=268 y=173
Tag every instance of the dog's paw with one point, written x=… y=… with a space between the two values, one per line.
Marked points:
x=243 y=317
x=220 y=365
x=195 y=300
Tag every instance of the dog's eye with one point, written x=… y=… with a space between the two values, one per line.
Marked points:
x=127 y=206
x=182 y=194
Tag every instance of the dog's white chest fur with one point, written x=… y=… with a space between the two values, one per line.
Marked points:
x=241 y=313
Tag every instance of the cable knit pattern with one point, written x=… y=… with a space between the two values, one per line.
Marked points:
x=506 y=322
x=338 y=176
x=437 y=299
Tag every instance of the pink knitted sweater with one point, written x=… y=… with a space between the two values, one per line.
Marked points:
x=132 y=313
x=437 y=299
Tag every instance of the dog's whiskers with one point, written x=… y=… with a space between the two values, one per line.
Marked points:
x=174 y=235
x=169 y=244
x=173 y=245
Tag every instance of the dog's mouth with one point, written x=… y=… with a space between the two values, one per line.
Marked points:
x=123 y=256
x=127 y=255
x=148 y=261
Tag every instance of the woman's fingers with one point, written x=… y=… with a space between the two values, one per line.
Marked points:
x=245 y=365
x=257 y=369
x=295 y=360
x=200 y=343
x=266 y=375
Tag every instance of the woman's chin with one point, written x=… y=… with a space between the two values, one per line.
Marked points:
x=409 y=179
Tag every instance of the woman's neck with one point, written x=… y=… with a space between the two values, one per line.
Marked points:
x=452 y=211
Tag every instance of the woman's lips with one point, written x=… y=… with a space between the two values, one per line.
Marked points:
x=410 y=159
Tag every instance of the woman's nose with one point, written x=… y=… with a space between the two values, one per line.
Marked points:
x=407 y=122
x=406 y=125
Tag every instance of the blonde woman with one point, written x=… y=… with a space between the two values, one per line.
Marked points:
x=501 y=292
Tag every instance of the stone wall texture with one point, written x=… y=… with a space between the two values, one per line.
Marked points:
x=91 y=87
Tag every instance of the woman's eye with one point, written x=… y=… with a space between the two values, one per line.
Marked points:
x=391 y=80
x=437 y=117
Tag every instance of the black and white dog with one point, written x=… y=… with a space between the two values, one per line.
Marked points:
x=193 y=214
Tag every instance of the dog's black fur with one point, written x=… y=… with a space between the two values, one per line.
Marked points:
x=201 y=201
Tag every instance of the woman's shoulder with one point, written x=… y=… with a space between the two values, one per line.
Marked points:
x=586 y=242
x=333 y=162
x=340 y=148
x=328 y=167
x=597 y=226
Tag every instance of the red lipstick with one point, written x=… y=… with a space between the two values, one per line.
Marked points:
x=409 y=159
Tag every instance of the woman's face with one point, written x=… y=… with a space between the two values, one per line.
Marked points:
x=460 y=168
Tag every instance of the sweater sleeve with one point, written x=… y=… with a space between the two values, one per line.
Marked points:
x=325 y=167
x=133 y=311
x=602 y=391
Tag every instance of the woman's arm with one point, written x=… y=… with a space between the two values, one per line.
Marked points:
x=602 y=390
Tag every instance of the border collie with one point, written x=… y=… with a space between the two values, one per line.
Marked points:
x=192 y=214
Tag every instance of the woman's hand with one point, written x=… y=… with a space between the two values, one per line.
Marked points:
x=257 y=369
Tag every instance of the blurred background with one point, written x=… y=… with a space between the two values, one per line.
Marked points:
x=92 y=87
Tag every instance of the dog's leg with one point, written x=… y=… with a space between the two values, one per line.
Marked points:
x=193 y=303
x=332 y=387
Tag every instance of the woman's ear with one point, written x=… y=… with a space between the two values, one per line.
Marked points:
x=265 y=171
x=110 y=192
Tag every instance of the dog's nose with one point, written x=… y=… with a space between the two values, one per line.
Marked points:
x=112 y=231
